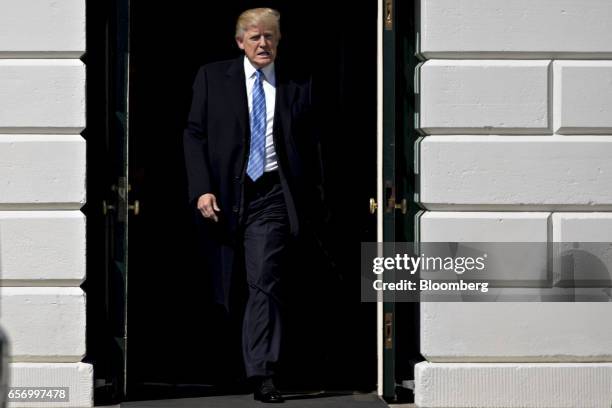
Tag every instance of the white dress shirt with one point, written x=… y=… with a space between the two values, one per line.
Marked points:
x=269 y=87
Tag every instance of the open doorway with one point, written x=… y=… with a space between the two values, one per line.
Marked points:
x=178 y=342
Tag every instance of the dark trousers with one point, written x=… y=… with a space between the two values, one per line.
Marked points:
x=265 y=239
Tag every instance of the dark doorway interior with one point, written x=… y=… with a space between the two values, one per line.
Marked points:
x=179 y=343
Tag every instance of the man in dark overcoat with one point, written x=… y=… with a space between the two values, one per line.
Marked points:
x=254 y=173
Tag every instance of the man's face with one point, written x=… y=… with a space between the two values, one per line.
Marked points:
x=259 y=44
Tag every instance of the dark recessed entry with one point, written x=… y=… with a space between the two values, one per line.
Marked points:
x=178 y=342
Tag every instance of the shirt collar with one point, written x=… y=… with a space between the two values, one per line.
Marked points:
x=268 y=71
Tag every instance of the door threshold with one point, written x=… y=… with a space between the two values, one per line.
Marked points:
x=313 y=399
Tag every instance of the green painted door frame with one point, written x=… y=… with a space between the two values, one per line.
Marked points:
x=400 y=348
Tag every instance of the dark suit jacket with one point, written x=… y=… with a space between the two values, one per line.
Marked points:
x=216 y=143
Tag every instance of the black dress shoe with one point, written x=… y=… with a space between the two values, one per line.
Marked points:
x=266 y=392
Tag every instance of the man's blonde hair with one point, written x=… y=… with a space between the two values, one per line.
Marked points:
x=252 y=17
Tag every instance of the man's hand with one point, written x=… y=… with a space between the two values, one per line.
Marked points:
x=207 y=204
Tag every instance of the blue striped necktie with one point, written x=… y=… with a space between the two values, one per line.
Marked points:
x=257 y=152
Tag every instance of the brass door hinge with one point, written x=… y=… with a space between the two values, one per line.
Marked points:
x=388 y=15
x=388 y=331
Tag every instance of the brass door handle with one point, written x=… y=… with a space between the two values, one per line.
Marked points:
x=392 y=204
x=135 y=207
x=402 y=206
x=106 y=208
x=373 y=205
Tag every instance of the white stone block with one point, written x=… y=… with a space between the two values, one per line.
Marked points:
x=516 y=173
x=78 y=377
x=582 y=97
x=44 y=324
x=42 y=248
x=582 y=254
x=516 y=385
x=42 y=171
x=42 y=28
x=511 y=331
x=508 y=241
x=516 y=29
x=42 y=96
x=582 y=227
x=484 y=96
x=516 y=331
x=483 y=226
